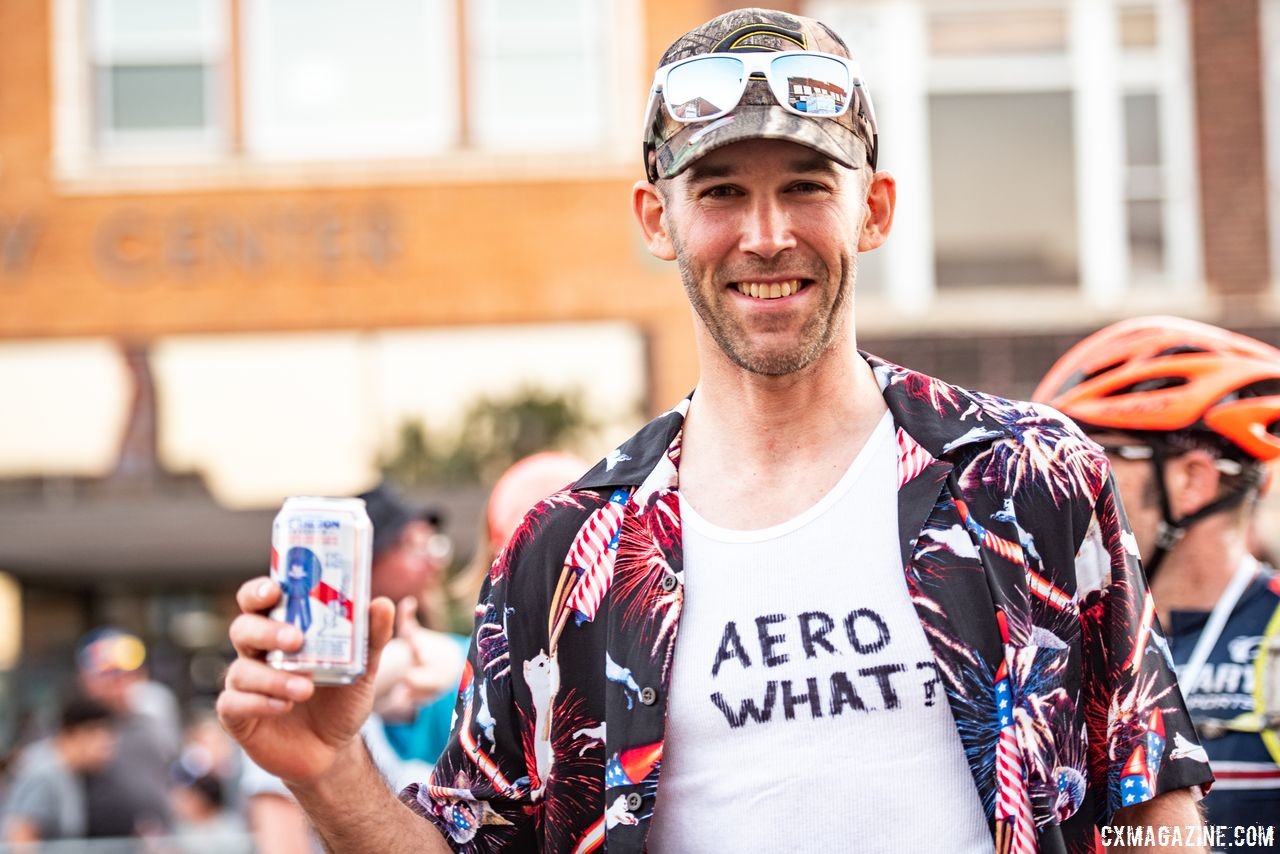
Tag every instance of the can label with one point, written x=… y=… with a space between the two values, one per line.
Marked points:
x=321 y=556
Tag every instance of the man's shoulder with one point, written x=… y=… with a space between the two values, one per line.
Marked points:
x=951 y=421
x=38 y=779
x=1032 y=422
x=37 y=760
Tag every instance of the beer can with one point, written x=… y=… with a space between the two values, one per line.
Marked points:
x=322 y=558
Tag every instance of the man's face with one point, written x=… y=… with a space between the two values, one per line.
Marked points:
x=410 y=566
x=112 y=688
x=91 y=746
x=766 y=237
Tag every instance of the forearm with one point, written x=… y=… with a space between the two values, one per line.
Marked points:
x=1176 y=809
x=354 y=811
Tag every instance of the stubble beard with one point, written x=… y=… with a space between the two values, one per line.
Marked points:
x=816 y=336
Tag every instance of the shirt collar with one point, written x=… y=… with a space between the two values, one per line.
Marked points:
x=939 y=416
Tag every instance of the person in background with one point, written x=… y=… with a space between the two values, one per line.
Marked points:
x=46 y=800
x=417 y=680
x=204 y=823
x=416 y=710
x=130 y=796
x=526 y=482
x=1189 y=415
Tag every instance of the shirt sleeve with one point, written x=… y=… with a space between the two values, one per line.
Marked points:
x=1141 y=741
x=35 y=799
x=479 y=790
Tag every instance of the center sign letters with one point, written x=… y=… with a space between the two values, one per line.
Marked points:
x=131 y=247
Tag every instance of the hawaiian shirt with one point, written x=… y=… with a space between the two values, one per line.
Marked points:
x=1022 y=571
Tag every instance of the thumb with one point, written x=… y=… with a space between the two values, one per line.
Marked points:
x=382 y=615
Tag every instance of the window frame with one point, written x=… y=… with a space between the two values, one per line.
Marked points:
x=209 y=52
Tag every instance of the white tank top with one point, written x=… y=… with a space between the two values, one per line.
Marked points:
x=806 y=712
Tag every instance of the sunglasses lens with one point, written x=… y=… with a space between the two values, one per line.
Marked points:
x=815 y=85
x=709 y=86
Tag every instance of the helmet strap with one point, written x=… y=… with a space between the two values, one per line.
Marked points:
x=1171 y=530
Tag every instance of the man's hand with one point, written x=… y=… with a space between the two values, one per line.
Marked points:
x=287 y=725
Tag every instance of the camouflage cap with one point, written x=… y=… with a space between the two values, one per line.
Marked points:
x=850 y=139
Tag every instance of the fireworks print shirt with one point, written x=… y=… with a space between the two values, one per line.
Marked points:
x=1023 y=574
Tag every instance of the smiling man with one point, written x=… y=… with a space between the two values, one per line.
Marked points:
x=824 y=603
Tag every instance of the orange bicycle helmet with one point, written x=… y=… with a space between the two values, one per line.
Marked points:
x=1171 y=375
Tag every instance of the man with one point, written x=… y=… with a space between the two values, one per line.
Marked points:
x=769 y=518
x=130 y=796
x=1186 y=412
x=417 y=681
x=46 y=800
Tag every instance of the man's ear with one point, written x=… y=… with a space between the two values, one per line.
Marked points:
x=882 y=195
x=1193 y=479
x=647 y=204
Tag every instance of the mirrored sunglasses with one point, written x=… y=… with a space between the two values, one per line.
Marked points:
x=706 y=87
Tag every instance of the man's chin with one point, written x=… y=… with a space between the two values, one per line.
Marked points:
x=777 y=363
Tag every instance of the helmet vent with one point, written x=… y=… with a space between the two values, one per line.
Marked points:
x=1153 y=384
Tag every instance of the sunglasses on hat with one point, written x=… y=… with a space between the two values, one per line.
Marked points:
x=705 y=87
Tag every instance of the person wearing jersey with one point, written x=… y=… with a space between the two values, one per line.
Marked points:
x=1190 y=416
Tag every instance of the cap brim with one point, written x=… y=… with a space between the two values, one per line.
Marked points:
x=388 y=533
x=826 y=136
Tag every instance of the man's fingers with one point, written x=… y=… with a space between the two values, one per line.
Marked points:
x=238 y=710
x=257 y=594
x=254 y=634
x=255 y=677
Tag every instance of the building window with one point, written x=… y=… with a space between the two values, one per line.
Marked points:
x=249 y=82
x=1144 y=187
x=989 y=229
x=327 y=79
x=156 y=73
x=540 y=75
x=997 y=30
x=1060 y=142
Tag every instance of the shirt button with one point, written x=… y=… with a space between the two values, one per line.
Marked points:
x=634 y=802
x=669 y=582
x=648 y=696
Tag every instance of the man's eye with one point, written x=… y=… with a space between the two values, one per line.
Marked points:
x=808 y=187
x=721 y=191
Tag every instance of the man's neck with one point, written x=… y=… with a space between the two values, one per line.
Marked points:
x=1194 y=574
x=760 y=450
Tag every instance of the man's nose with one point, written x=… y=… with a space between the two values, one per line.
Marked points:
x=767 y=231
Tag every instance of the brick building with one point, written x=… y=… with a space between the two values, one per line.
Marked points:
x=206 y=173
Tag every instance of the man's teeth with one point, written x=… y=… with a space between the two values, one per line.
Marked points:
x=769 y=290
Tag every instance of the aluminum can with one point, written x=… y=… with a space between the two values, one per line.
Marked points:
x=322 y=558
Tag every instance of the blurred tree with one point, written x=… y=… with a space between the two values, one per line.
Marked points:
x=495 y=432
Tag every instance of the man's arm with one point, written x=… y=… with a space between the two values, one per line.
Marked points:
x=1176 y=809
x=354 y=811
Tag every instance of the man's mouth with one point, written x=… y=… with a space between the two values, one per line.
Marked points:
x=769 y=290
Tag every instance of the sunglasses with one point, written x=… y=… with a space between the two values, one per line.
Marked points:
x=1128 y=452
x=706 y=87
x=1146 y=452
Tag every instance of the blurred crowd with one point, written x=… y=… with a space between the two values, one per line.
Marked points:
x=122 y=767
